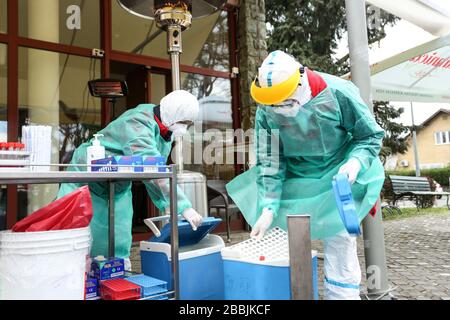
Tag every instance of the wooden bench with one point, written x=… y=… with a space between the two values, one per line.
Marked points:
x=414 y=188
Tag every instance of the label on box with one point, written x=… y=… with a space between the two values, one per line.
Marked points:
x=91 y=288
x=107 y=269
x=107 y=163
x=155 y=162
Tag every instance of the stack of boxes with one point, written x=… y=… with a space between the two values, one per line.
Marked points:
x=135 y=163
x=108 y=281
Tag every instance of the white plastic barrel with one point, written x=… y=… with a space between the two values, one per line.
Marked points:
x=47 y=265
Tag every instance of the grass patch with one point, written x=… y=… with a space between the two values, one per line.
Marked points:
x=412 y=212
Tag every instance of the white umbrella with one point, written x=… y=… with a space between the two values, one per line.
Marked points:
x=431 y=15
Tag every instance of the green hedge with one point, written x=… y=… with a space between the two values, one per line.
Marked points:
x=440 y=175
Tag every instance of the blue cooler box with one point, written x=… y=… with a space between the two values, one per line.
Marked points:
x=200 y=261
x=259 y=270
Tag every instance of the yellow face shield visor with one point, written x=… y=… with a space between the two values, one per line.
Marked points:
x=277 y=93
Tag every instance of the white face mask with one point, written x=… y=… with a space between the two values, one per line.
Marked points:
x=288 y=110
x=178 y=129
x=291 y=106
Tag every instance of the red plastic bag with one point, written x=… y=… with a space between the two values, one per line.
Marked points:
x=72 y=211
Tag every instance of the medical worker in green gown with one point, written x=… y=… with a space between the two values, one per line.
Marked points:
x=310 y=126
x=148 y=131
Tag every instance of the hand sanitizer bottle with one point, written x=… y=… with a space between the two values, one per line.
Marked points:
x=95 y=152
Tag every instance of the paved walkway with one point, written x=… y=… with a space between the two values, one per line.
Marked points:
x=417 y=253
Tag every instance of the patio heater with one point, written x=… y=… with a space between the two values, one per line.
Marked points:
x=174 y=17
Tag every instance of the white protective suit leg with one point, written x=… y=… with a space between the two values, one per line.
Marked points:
x=341 y=268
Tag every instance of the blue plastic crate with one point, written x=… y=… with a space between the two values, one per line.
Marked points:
x=149 y=286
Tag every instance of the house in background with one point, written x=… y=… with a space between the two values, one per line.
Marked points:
x=433 y=143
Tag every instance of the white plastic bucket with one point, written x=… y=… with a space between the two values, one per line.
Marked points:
x=43 y=265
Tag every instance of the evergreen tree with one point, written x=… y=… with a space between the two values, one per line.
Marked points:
x=310 y=30
x=395 y=138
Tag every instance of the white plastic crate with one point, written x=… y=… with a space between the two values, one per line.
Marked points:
x=272 y=249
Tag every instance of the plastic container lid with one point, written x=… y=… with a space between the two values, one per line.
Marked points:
x=187 y=236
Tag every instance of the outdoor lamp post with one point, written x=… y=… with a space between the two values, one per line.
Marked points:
x=173 y=16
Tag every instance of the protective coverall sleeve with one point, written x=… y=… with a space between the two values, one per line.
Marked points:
x=356 y=119
x=270 y=163
x=143 y=143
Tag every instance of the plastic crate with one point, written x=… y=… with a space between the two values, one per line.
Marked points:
x=119 y=289
x=260 y=270
x=149 y=286
x=273 y=248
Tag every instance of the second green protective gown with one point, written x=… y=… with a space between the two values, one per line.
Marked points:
x=134 y=133
x=297 y=158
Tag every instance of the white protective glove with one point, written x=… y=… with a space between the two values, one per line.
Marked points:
x=351 y=168
x=193 y=217
x=262 y=225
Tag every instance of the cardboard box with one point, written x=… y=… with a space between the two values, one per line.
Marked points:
x=131 y=161
x=155 y=161
x=91 y=289
x=107 y=268
x=107 y=163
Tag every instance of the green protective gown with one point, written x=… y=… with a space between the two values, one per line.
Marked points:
x=294 y=170
x=134 y=133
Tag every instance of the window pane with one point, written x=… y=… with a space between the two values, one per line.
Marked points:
x=3 y=126
x=209 y=132
x=3 y=16
x=205 y=44
x=53 y=91
x=438 y=137
x=70 y=22
x=3 y=91
x=444 y=137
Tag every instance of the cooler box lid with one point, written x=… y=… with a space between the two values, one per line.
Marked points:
x=187 y=236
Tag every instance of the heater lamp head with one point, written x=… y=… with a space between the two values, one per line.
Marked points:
x=108 y=88
x=147 y=8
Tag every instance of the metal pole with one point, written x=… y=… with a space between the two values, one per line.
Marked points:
x=414 y=137
x=175 y=48
x=374 y=250
x=111 y=231
x=174 y=232
x=300 y=259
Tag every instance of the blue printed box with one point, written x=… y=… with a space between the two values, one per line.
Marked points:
x=91 y=289
x=131 y=161
x=155 y=161
x=107 y=165
x=104 y=268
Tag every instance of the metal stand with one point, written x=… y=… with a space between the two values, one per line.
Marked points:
x=300 y=259
x=374 y=250
x=16 y=178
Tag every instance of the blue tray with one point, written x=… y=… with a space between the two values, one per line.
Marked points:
x=149 y=286
x=346 y=206
x=187 y=236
